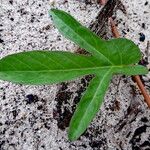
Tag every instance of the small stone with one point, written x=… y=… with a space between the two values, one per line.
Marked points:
x=12 y=19
x=1 y=41
x=31 y=99
x=146 y=3
x=142 y=37
x=143 y=25
x=39 y=107
x=11 y=2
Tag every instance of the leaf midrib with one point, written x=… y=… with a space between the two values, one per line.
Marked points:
x=87 y=42
x=62 y=70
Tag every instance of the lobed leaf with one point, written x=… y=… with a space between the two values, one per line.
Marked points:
x=106 y=59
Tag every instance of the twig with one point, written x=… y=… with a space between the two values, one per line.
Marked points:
x=114 y=28
x=137 y=78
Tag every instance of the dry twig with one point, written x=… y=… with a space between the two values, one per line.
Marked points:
x=136 y=78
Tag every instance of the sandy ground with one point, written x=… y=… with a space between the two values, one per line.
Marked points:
x=36 y=117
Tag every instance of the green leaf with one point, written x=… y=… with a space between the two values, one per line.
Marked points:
x=106 y=58
x=92 y=99
x=122 y=51
x=43 y=67
x=78 y=34
x=112 y=52
x=89 y=104
x=130 y=70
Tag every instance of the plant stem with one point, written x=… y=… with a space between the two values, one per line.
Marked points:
x=137 y=78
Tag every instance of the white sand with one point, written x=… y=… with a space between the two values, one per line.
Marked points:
x=26 y=25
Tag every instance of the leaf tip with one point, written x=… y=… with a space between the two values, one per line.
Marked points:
x=52 y=12
x=146 y=70
x=72 y=136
